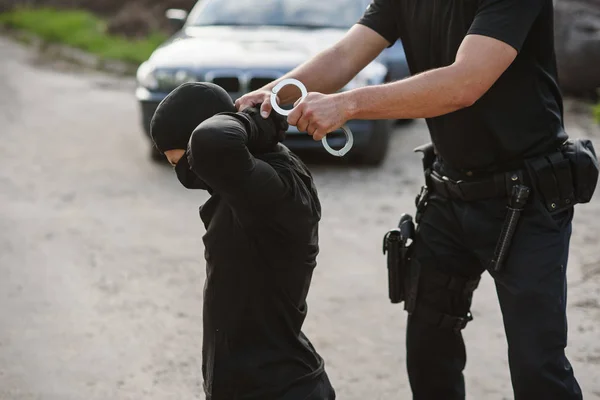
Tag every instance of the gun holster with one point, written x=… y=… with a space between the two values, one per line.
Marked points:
x=429 y=155
x=397 y=245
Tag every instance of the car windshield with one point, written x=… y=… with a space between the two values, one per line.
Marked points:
x=296 y=13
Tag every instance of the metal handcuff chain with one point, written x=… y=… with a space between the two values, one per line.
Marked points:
x=294 y=82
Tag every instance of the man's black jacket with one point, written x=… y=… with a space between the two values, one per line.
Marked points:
x=261 y=244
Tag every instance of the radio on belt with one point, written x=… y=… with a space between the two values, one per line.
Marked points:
x=349 y=137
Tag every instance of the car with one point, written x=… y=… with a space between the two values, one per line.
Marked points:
x=242 y=45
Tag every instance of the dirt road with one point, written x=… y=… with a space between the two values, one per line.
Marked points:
x=101 y=267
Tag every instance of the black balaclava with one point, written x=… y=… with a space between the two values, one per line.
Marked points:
x=183 y=110
x=186 y=107
x=178 y=115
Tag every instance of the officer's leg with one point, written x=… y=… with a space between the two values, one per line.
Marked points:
x=447 y=278
x=532 y=294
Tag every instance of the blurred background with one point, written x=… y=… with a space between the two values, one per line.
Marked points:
x=101 y=255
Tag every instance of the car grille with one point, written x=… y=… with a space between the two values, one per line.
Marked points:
x=239 y=84
x=230 y=84
x=257 y=83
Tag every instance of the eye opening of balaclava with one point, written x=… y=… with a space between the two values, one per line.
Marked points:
x=178 y=115
x=183 y=110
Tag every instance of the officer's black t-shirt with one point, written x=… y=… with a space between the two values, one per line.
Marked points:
x=261 y=244
x=521 y=115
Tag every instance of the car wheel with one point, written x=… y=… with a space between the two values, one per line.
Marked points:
x=374 y=151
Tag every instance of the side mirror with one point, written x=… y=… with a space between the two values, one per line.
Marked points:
x=177 y=17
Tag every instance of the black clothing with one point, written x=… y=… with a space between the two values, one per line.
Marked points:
x=187 y=177
x=183 y=110
x=263 y=137
x=458 y=238
x=522 y=114
x=261 y=244
x=520 y=117
x=264 y=133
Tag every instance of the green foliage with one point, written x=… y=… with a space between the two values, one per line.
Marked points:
x=82 y=30
x=597 y=113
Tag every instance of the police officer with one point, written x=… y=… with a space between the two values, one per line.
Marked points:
x=485 y=79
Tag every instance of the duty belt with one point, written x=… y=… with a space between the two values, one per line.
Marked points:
x=493 y=186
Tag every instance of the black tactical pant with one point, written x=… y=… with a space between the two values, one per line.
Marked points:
x=320 y=389
x=458 y=238
x=315 y=389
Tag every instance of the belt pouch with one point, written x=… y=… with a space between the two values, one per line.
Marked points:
x=551 y=176
x=584 y=166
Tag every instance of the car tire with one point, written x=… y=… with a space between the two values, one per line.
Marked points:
x=374 y=151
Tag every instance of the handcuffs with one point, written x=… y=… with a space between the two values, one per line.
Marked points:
x=349 y=137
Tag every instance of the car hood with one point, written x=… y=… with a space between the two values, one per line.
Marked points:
x=243 y=47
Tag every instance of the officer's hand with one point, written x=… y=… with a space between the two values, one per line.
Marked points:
x=319 y=114
x=252 y=99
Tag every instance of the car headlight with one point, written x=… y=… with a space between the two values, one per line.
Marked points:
x=145 y=76
x=161 y=79
x=182 y=76
x=170 y=79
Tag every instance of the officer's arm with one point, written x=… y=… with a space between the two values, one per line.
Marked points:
x=497 y=34
x=218 y=154
x=331 y=69
x=479 y=63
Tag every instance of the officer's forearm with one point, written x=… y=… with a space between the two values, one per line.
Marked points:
x=317 y=75
x=331 y=69
x=430 y=94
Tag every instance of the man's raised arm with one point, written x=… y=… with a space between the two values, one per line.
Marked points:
x=219 y=154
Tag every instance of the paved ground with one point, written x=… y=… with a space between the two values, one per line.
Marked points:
x=101 y=257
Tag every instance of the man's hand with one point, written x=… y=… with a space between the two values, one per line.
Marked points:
x=319 y=114
x=254 y=98
x=267 y=132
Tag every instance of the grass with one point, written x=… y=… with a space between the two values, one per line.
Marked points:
x=82 y=30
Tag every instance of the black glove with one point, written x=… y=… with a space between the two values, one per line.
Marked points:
x=269 y=131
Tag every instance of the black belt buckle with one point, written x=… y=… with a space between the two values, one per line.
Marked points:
x=438 y=184
x=455 y=188
x=446 y=186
